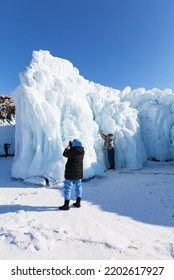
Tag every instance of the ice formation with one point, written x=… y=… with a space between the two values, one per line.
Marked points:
x=55 y=104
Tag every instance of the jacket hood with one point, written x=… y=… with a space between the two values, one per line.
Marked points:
x=76 y=143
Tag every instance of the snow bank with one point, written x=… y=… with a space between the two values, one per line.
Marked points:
x=55 y=104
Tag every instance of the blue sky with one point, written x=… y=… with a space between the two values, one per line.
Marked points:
x=116 y=43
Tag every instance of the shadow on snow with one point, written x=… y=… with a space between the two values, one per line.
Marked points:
x=5 y=209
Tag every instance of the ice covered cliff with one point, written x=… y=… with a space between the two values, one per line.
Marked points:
x=55 y=104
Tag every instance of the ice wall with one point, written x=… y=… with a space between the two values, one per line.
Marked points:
x=55 y=104
x=156 y=114
x=51 y=109
x=114 y=116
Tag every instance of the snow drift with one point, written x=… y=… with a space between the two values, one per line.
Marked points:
x=55 y=104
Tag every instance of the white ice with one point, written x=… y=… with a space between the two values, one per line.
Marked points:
x=55 y=104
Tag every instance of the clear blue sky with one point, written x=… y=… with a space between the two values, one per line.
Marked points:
x=116 y=43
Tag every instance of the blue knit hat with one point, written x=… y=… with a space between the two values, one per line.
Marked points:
x=76 y=143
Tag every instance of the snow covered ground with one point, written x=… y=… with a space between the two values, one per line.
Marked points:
x=125 y=215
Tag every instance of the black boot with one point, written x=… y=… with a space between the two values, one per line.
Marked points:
x=65 y=206
x=77 y=203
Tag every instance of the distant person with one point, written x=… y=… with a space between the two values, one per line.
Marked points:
x=73 y=173
x=6 y=147
x=109 y=146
